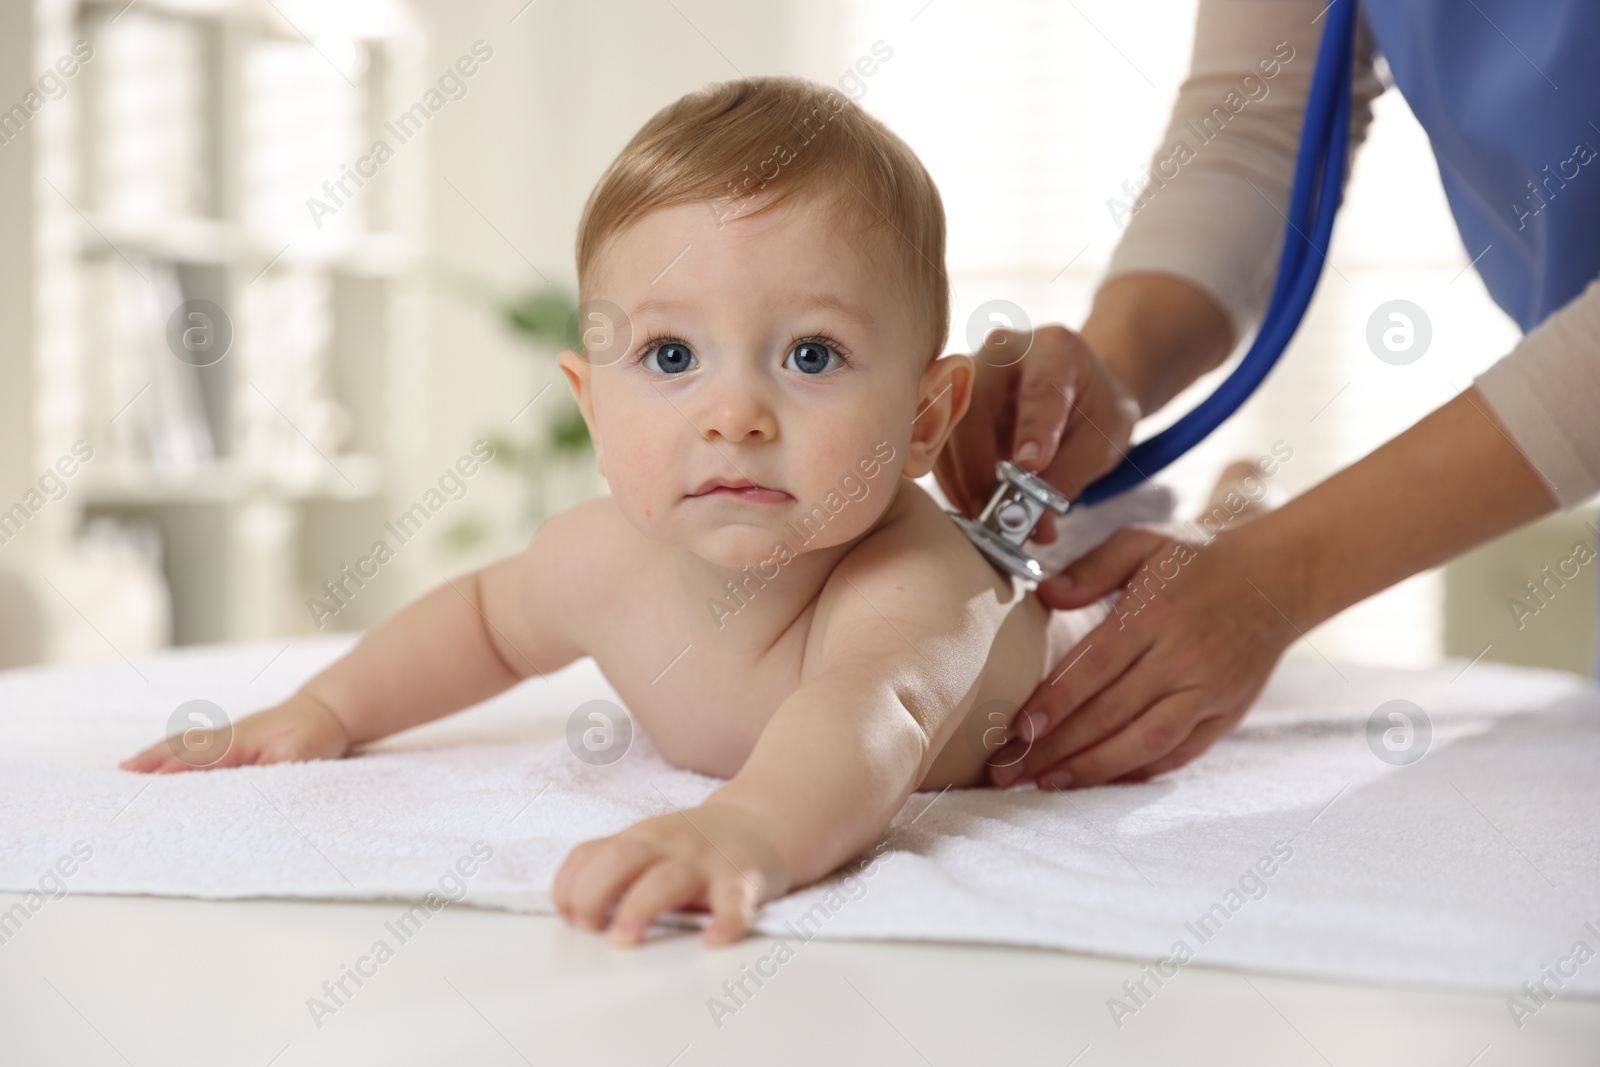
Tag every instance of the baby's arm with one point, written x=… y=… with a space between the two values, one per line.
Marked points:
x=461 y=643
x=905 y=641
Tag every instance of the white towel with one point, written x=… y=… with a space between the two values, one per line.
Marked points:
x=1470 y=868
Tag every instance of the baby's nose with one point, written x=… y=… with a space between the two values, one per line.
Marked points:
x=736 y=412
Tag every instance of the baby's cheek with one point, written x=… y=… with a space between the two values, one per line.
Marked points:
x=644 y=503
x=640 y=481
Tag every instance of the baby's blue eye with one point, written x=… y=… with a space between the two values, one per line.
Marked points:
x=811 y=357
x=670 y=357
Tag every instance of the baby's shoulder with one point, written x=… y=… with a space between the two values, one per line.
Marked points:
x=583 y=542
x=917 y=565
x=596 y=516
x=583 y=554
x=919 y=537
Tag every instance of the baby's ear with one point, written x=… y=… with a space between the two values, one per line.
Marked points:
x=942 y=398
x=577 y=372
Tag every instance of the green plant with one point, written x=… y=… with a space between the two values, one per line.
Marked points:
x=545 y=319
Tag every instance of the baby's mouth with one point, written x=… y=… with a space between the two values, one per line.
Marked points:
x=739 y=489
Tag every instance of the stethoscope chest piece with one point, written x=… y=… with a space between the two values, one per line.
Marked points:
x=1008 y=520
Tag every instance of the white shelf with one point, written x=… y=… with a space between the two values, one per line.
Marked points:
x=188 y=240
x=368 y=20
x=183 y=147
x=200 y=8
x=220 y=242
x=358 y=477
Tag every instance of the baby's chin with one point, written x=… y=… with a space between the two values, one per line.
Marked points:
x=766 y=542
x=764 y=546
x=738 y=545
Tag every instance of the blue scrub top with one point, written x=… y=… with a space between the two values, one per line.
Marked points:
x=1509 y=94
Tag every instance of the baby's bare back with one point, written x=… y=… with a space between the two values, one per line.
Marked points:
x=703 y=681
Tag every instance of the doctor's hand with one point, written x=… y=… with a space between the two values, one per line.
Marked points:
x=1177 y=663
x=1044 y=400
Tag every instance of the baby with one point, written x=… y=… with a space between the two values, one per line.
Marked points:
x=762 y=285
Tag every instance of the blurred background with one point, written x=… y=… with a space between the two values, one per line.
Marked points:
x=271 y=269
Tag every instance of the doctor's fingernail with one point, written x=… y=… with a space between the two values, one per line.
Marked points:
x=1034 y=723
x=1056 y=780
x=1028 y=452
x=1004 y=776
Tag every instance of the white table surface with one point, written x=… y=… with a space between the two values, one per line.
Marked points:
x=126 y=980
x=155 y=981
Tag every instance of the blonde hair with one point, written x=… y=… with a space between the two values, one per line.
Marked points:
x=788 y=136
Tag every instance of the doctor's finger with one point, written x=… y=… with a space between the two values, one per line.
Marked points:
x=965 y=467
x=1098 y=718
x=1090 y=667
x=1094 y=663
x=1101 y=571
x=1206 y=734
x=1104 y=714
x=1052 y=373
x=1084 y=455
x=1148 y=738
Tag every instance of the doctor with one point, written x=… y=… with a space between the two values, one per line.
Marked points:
x=1509 y=94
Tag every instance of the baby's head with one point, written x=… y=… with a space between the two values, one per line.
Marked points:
x=763 y=300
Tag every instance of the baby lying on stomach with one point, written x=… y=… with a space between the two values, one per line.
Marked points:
x=773 y=597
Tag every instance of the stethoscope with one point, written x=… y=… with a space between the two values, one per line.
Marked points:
x=1020 y=498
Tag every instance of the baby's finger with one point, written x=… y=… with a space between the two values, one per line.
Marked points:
x=148 y=760
x=177 y=764
x=236 y=755
x=207 y=756
x=664 y=887
x=733 y=908
x=173 y=765
x=602 y=880
x=567 y=875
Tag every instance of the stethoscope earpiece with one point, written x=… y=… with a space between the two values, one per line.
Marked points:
x=1020 y=500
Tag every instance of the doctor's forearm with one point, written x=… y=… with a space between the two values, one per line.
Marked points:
x=1158 y=333
x=1451 y=482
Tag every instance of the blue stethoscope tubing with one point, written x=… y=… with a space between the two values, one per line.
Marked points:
x=1319 y=171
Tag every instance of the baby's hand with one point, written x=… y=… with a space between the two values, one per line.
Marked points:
x=713 y=858
x=300 y=728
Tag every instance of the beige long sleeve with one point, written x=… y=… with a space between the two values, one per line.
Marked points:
x=1218 y=220
x=1547 y=393
x=1212 y=214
